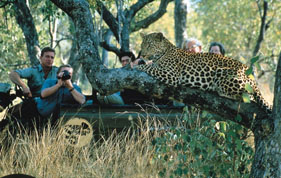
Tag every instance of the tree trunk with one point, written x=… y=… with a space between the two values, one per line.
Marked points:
x=73 y=60
x=73 y=57
x=180 y=13
x=25 y=21
x=107 y=39
x=267 y=160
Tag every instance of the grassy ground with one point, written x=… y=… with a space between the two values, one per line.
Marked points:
x=126 y=154
x=139 y=152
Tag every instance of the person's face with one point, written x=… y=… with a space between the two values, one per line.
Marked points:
x=215 y=49
x=47 y=59
x=125 y=60
x=193 y=48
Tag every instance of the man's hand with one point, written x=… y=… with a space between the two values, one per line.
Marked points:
x=68 y=84
x=26 y=92
x=60 y=83
x=15 y=78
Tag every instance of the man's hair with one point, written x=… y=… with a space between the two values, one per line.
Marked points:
x=47 y=49
x=185 y=42
x=129 y=54
x=64 y=65
x=222 y=50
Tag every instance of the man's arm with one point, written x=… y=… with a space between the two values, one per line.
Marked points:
x=15 y=78
x=79 y=97
x=51 y=90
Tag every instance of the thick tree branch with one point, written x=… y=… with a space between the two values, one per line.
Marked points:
x=116 y=79
x=109 y=19
x=136 y=7
x=152 y=18
x=109 y=47
x=29 y=30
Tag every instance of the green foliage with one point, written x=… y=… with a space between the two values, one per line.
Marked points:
x=50 y=11
x=246 y=98
x=13 y=51
x=236 y=24
x=213 y=149
x=248 y=88
x=253 y=62
x=238 y=118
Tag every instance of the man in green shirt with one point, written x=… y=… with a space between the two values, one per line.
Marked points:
x=36 y=75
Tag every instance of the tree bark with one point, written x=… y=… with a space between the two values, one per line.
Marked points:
x=73 y=60
x=267 y=160
x=25 y=21
x=107 y=39
x=180 y=13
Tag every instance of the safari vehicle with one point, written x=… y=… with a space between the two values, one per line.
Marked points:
x=92 y=118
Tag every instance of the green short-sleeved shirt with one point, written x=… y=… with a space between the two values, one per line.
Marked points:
x=35 y=77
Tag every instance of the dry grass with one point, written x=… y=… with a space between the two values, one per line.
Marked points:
x=125 y=154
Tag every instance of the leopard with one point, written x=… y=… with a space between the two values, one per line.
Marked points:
x=206 y=71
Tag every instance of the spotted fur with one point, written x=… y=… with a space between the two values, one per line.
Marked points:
x=209 y=72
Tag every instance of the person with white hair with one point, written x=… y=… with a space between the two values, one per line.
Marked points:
x=192 y=45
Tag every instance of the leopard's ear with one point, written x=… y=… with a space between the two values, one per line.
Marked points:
x=142 y=35
x=160 y=36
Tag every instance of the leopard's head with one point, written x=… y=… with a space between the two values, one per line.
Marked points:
x=154 y=45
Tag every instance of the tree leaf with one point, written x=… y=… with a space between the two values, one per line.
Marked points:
x=249 y=71
x=223 y=126
x=254 y=59
x=251 y=77
x=248 y=88
x=246 y=98
x=253 y=62
x=238 y=118
x=257 y=65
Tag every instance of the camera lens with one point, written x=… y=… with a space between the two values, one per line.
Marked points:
x=65 y=75
x=141 y=62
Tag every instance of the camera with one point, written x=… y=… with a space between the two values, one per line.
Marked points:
x=141 y=62
x=65 y=75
